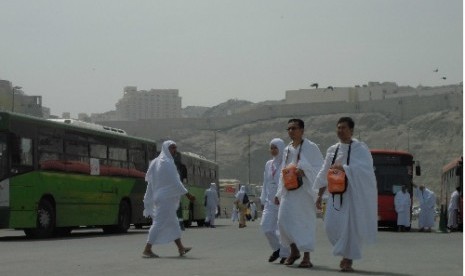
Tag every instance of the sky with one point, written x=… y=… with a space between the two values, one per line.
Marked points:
x=79 y=55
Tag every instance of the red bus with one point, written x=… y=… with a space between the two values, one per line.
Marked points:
x=451 y=178
x=393 y=169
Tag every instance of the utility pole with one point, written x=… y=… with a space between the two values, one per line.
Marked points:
x=249 y=160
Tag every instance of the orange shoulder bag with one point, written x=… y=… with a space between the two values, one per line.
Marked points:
x=337 y=179
x=290 y=179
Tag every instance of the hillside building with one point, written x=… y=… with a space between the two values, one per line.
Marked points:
x=369 y=92
x=153 y=104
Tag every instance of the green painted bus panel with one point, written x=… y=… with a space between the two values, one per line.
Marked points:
x=79 y=199
x=198 y=207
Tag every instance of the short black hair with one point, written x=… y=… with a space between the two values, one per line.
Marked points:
x=347 y=120
x=298 y=121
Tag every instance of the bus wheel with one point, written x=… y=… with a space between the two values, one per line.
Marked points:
x=45 y=221
x=187 y=223
x=124 y=219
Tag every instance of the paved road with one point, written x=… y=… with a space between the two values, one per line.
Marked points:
x=225 y=250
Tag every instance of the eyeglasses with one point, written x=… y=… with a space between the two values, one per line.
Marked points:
x=292 y=128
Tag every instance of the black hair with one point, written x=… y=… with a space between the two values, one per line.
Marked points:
x=347 y=120
x=298 y=121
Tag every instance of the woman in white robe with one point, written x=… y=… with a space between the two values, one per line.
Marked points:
x=354 y=221
x=402 y=203
x=241 y=206
x=269 y=221
x=161 y=201
x=453 y=210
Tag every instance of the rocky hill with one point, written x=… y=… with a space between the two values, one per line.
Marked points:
x=434 y=139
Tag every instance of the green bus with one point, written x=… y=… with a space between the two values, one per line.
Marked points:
x=196 y=173
x=58 y=176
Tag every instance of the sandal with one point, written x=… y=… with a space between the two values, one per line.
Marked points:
x=149 y=255
x=183 y=251
x=291 y=259
x=346 y=265
x=273 y=257
x=306 y=264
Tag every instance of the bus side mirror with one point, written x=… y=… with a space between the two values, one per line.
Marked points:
x=417 y=168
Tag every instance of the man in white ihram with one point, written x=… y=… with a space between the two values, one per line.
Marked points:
x=427 y=201
x=161 y=201
x=211 y=205
x=402 y=203
x=354 y=220
x=297 y=213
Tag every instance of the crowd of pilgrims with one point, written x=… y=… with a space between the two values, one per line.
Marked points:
x=288 y=214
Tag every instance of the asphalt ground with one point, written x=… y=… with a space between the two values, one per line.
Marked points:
x=224 y=250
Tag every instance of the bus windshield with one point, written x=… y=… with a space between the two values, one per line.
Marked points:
x=3 y=156
x=390 y=179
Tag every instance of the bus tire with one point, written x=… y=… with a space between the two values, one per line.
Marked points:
x=45 y=225
x=187 y=223
x=124 y=219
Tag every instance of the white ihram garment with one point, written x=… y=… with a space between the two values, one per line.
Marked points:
x=402 y=202
x=427 y=201
x=212 y=200
x=161 y=200
x=297 y=212
x=453 y=209
x=354 y=222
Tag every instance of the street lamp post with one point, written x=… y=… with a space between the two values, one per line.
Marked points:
x=249 y=159
x=215 y=143
x=13 y=97
x=408 y=139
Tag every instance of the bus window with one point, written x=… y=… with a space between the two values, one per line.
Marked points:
x=137 y=159
x=21 y=154
x=26 y=152
x=78 y=151
x=3 y=157
x=98 y=151
x=50 y=148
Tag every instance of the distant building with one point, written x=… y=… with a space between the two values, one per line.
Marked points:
x=103 y=117
x=12 y=98
x=372 y=91
x=152 y=104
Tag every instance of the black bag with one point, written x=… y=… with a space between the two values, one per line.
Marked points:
x=245 y=200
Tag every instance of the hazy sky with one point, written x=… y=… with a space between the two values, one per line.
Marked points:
x=79 y=55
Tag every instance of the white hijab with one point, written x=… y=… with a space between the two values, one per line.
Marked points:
x=240 y=194
x=163 y=178
x=278 y=159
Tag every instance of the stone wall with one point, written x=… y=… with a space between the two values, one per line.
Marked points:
x=397 y=109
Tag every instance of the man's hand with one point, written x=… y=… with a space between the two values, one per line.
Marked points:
x=276 y=200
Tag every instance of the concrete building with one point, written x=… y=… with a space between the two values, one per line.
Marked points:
x=12 y=98
x=153 y=104
x=369 y=92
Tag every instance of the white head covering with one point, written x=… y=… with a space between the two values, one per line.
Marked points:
x=163 y=179
x=240 y=194
x=213 y=186
x=278 y=159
